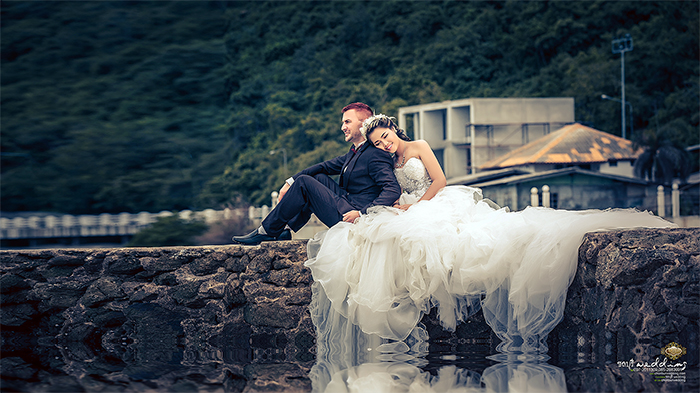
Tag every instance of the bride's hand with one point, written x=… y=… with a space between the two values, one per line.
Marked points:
x=351 y=216
x=403 y=207
x=283 y=191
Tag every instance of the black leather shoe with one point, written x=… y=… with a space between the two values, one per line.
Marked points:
x=285 y=235
x=253 y=239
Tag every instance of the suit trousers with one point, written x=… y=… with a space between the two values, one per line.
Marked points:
x=319 y=195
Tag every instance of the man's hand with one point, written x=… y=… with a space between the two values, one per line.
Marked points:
x=283 y=191
x=351 y=216
x=403 y=207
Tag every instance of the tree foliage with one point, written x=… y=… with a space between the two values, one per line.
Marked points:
x=662 y=159
x=127 y=106
x=111 y=106
x=168 y=231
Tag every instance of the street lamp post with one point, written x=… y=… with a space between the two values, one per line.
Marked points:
x=284 y=154
x=607 y=97
x=622 y=45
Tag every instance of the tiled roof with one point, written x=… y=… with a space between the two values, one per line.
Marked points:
x=570 y=144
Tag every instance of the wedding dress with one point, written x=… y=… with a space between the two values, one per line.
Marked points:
x=458 y=253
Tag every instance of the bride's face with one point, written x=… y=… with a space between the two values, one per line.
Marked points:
x=385 y=139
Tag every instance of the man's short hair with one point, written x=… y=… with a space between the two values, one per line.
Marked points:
x=363 y=110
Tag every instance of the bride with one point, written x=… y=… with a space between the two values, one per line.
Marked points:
x=449 y=248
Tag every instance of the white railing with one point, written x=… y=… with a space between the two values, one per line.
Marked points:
x=105 y=224
x=660 y=199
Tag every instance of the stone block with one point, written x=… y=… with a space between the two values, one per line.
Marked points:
x=67 y=260
x=273 y=313
x=208 y=264
x=121 y=262
x=61 y=294
x=162 y=264
x=16 y=314
x=101 y=291
x=237 y=264
x=261 y=263
x=10 y=283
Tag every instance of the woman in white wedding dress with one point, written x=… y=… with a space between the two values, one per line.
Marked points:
x=447 y=247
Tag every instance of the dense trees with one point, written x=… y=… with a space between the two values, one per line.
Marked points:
x=662 y=160
x=168 y=231
x=111 y=106
x=128 y=106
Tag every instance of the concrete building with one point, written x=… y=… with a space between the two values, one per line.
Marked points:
x=467 y=133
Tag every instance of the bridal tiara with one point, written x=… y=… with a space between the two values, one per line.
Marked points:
x=376 y=120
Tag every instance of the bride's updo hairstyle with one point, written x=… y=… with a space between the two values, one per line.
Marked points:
x=383 y=121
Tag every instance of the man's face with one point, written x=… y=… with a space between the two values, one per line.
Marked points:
x=351 y=127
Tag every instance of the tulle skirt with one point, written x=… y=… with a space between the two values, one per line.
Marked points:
x=458 y=253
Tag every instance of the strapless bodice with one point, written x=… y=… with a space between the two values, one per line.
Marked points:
x=413 y=177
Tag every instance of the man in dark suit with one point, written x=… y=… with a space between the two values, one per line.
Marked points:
x=366 y=179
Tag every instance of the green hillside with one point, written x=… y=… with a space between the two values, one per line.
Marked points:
x=153 y=105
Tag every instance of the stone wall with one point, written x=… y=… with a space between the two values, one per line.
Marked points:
x=634 y=292
x=108 y=318
x=236 y=317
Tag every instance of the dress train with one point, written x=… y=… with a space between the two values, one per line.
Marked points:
x=458 y=253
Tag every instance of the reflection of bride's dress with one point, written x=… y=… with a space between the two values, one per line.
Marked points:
x=455 y=252
x=392 y=377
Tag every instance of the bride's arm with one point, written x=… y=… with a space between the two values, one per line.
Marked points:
x=433 y=167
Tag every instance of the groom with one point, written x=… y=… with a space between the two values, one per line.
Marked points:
x=366 y=179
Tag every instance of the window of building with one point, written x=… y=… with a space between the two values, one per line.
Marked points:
x=410 y=129
x=444 y=125
x=440 y=155
x=537 y=130
x=433 y=127
x=469 y=160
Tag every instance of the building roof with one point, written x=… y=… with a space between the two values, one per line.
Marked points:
x=571 y=144
x=555 y=173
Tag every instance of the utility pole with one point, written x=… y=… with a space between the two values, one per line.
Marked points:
x=284 y=153
x=622 y=45
x=607 y=97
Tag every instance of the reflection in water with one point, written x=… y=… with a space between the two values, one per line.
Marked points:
x=335 y=372
x=349 y=360
x=523 y=377
x=392 y=377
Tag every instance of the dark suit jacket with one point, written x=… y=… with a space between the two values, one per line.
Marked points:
x=367 y=176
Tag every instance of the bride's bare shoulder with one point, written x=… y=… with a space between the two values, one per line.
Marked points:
x=419 y=146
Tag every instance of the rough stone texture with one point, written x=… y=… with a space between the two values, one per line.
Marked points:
x=635 y=291
x=235 y=318
x=228 y=318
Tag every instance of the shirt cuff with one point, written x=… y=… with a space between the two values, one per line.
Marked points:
x=290 y=181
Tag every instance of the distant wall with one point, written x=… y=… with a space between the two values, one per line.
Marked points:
x=128 y=310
